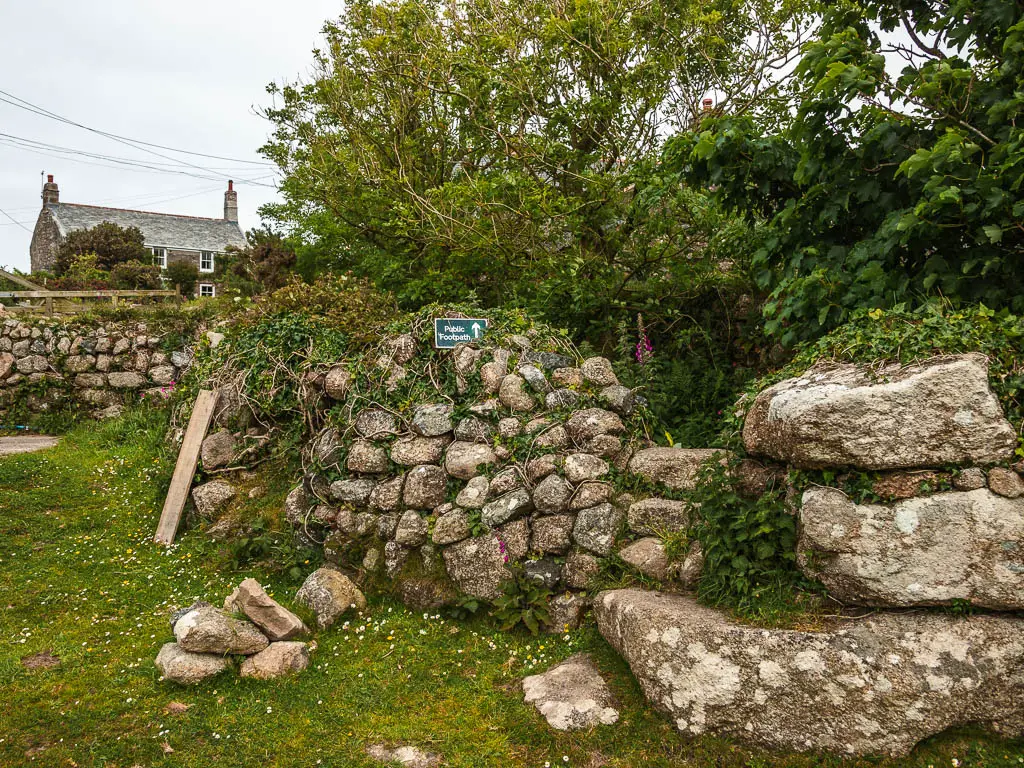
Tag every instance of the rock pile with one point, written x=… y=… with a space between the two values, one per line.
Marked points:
x=948 y=528
x=93 y=366
x=251 y=624
x=522 y=462
x=572 y=695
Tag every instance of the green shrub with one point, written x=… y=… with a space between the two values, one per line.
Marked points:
x=524 y=601
x=749 y=546
x=134 y=275
x=184 y=274
x=905 y=336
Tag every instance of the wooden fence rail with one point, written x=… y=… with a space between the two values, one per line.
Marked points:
x=113 y=295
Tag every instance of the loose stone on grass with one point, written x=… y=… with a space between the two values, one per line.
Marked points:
x=181 y=666
x=211 y=630
x=276 y=660
x=276 y=621
x=213 y=497
x=572 y=695
x=329 y=593
x=407 y=757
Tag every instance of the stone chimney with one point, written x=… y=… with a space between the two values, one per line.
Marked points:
x=708 y=105
x=50 y=192
x=231 y=203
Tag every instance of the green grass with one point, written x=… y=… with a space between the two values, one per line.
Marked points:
x=79 y=576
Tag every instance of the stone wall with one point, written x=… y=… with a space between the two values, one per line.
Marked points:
x=53 y=363
x=519 y=456
x=947 y=521
x=922 y=507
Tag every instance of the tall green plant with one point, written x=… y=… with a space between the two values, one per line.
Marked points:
x=890 y=186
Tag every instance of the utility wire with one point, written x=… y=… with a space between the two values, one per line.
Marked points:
x=46 y=113
x=132 y=167
x=5 y=213
x=35 y=109
x=43 y=148
x=113 y=158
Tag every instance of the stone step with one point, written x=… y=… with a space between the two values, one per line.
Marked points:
x=876 y=685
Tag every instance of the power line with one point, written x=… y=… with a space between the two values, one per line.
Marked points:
x=43 y=148
x=146 y=199
x=131 y=166
x=5 y=213
x=35 y=109
x=47 y=113
x=99 y=156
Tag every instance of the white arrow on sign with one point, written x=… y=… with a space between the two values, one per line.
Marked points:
x=476 y=330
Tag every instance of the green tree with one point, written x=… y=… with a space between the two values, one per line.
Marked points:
x=891 y=185
x=266 y=263
x=134 y=275
x=184 y=274
x=495 y=148
x=111 y=243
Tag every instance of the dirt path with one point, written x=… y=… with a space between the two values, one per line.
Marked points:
x=12 y=445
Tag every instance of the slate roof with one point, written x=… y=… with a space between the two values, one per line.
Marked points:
x=162 y=230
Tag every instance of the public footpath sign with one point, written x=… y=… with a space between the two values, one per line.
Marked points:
x=449 y=332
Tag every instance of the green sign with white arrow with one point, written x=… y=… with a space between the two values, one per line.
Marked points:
x=449 y=332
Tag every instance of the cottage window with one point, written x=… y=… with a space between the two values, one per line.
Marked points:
x=160 y=257
x=207 y=289
x=206 y=262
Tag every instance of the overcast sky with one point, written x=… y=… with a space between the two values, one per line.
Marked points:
x=185 y=74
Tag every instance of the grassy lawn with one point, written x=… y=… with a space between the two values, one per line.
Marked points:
x=80 y=577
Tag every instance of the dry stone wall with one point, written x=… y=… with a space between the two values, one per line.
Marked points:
x=525 y=464
x=939 y=427
x=49 y=364
x=930 y=447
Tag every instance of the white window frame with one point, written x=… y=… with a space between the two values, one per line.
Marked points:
x=202 y=257
x=160 y=257
x=207 y=286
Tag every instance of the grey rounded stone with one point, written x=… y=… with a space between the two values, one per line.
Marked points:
x=410 y=451
x=328 y=593
x=425 y=487
x=506 y=508
x=552 y=534
x=535 y=377
x=338 y=382
x=572 y=695
x=597 y=527
x=647 y=556
x=552 y=494
x=276 y=660
x=185 y=668
x=598 y=370
x=355 y=491
x=411 y=530
x=451 y=527
x=366 y=458
x=580 y=467
x=590 y=494
x=387 y=496
x=466 y=460
x=374 y=423
x=474 y=495
x=211 y=630
x=432 y=420
x=213 y=497
x=586 y=424
x=513 y=394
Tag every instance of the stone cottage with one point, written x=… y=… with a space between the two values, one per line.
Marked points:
x=168 y=236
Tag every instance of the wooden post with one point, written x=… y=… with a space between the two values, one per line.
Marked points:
x=185 y=469
x=49 y=305
x=177 y=294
